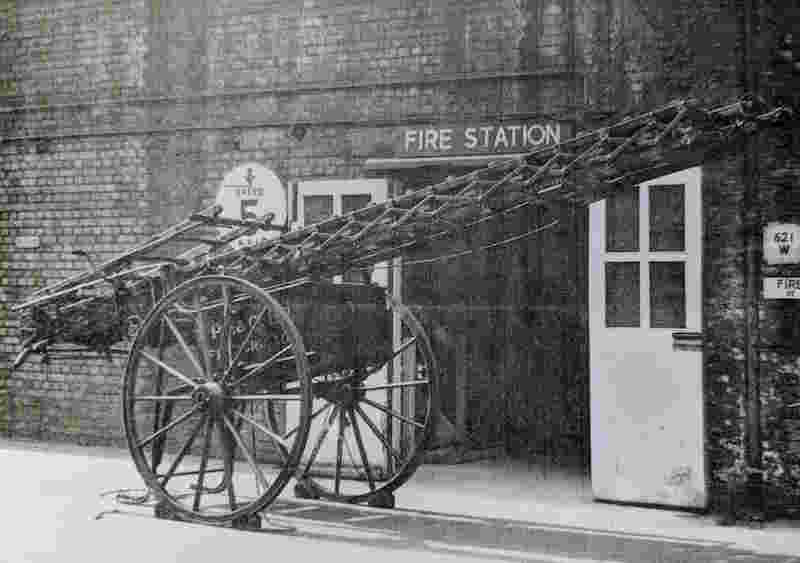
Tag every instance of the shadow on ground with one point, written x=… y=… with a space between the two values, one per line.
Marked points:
x=477 y=538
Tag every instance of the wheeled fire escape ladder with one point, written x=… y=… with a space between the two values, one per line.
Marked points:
x=583 y=169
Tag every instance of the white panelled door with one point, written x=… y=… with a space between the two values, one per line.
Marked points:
x=647 y=424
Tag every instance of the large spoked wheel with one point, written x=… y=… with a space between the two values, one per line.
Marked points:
x=209 y=361
x=370 y=423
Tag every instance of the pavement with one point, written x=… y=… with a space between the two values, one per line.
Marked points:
x=59 y=504
x=558 y=498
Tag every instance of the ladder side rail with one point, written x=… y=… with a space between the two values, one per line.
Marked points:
x=135 y=272
x=108 y=267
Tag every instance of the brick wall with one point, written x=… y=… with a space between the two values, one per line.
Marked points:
x=120 y=117
x=59 y=62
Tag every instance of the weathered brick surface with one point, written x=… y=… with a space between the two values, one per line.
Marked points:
x=119 y=117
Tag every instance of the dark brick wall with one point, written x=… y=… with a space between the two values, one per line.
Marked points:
x=509 y=326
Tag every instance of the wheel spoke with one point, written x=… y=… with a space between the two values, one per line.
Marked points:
x=339 y=440
x=253 y=442
x=158 y=451
x=348 y=450
x=390 y=412
x=187 y=473
x=403 y=347
x=378 y=434
x=169 y=369
x=228 y=451
x=225 y=335
x=246 y=340
x=211 y=306
x=326 y=406
x=163 y=398
x=168 y=427
x=263 y=428
x=177 y=389
x=282 y=360
x=162 y=419
x=202 y=334
x=397 y=385
x=183 y=451
x=185 y=347
x=248 y=456
x=262 y=366
x=320 y=439
x=283 y=452
x=267 y=397
x=201 y=476
x=361 y=449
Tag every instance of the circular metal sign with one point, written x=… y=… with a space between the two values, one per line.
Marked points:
x=251 y=191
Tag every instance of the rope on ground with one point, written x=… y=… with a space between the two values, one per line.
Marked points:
x=129 y=496
x=124 y=496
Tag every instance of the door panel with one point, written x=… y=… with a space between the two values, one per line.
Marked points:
x=645 y=284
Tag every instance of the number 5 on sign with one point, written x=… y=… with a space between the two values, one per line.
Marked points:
x=782 y=243
x=251 y=191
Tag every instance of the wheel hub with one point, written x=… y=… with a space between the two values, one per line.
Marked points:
x=341 y=393
x=213 y=395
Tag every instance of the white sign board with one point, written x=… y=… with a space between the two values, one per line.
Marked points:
x=250 y=191
x=782 y=243
x=782 y=288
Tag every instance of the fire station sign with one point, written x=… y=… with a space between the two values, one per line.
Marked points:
x=477 y=138
x=782 y=243
x=782 y=288
x=250 y=191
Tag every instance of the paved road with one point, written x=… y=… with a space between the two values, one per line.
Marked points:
x=61 y=507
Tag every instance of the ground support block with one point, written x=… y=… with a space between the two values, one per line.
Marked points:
x=305 y=491
x=381 y=499
x=163 y=511
x=247 y=522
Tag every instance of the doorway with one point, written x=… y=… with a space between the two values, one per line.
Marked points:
x=317 y=200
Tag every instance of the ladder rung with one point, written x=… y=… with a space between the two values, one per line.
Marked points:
x=317 y=235
x=170 y=259
x=209 y=241
x=457 y=198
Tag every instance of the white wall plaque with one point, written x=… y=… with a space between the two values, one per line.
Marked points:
x=782 y=243
x=782 y=288
x=250 y=191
